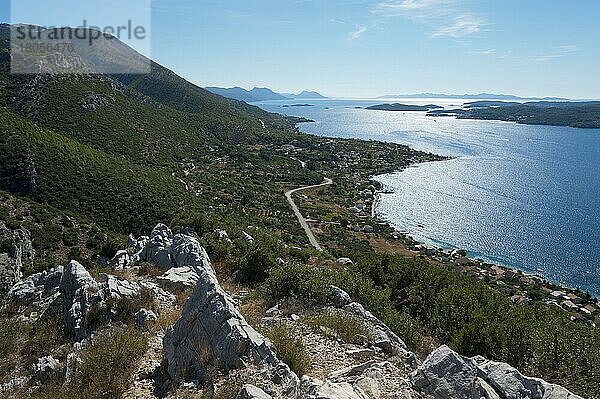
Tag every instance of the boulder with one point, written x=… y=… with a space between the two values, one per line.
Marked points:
x=164 y=298
x=509 y=382
x=251 y=392
x=187 y=251
x=446 y=374
x=339 y=297
x=144 y=317
x=345 y=261
x=247 y=237
x=311 y=388
x=157 y=249
x=25 y=291
x=178 y=279
x=44 y=369
x=136 y=245
x=121 y=260
x=384 y=337
x=211 y=331
x=116 y=288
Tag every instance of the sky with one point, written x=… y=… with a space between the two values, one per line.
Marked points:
x=369 y=48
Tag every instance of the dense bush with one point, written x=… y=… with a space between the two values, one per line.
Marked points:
x=419 y=300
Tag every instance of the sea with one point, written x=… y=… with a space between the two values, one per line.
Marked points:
x=523 y=196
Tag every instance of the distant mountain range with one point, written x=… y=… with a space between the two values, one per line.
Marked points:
x=480 y=96
x=260 y=94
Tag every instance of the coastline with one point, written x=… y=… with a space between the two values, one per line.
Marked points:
x=484 y=269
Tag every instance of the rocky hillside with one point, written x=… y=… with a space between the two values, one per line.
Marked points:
x=159 y=323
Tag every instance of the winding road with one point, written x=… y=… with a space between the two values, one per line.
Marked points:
x=303 y=223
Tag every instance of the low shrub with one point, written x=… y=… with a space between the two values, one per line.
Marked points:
x=290 y=349
x=345 y=327
x=108 y=364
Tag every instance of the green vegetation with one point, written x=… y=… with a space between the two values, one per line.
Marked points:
x=573 y=114
x=107 y=367
x=421 y=301
x=290 y=349
x=347 y=328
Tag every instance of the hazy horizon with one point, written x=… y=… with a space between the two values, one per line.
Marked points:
x=370 y=48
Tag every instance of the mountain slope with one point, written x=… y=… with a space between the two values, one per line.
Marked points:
x=54 y=169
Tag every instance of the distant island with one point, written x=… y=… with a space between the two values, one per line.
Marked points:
x=261 y=94
x=403 y=107
x=297 y=105
x=480 y=96
x=572 y=114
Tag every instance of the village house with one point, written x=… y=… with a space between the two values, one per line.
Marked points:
x=591 y=309
x=575 y=299
x=569 y=305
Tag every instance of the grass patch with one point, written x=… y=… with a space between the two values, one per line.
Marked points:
x=290 y=349
x=107 y=368
x=345 y=327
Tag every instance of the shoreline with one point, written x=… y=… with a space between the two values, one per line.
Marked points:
x=486 y=268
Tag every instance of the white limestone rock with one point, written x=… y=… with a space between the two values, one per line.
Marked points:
x=312 y=388
x=446 y=374
x=340 y=297
x=157 y=249
x=144 y=317
x=251 y=392
x=117 y=287
x=18 y=254
x=187 y=251
x=247 y=237
x=211 y=331
x=121 y=260
x=178 y=279
x=164 y=298
x=44 y=369
x=384 y=337
x=76 y=287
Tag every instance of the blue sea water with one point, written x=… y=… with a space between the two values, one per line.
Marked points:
x=524 y=196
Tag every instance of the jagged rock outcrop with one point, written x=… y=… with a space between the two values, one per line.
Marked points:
x=383 y=337
x=80 y=292
x=212 y=332
x=313 y=388
x=370 y=380
x=16 y=252
x=446 y=374
x=340 y=297
x=36 y=287
x=251 y=392
x=164 y=298
x=178 y=278
x=76 y=287
x=121 y=260
x=117 y=287
x=164 y=250
x=157 y=249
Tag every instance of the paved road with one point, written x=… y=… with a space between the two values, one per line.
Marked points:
x=303 y=223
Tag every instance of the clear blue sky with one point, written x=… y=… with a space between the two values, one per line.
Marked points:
x=367 y=48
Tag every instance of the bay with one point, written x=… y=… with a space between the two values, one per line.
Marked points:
x=524 y=196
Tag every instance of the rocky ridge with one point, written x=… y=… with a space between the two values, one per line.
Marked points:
x=212 y=336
